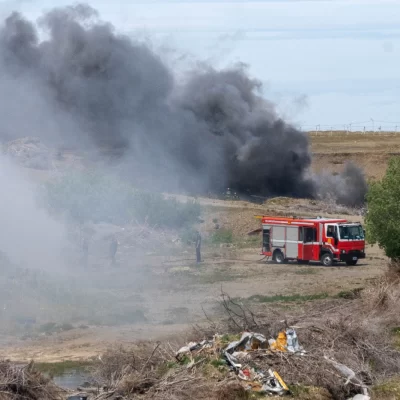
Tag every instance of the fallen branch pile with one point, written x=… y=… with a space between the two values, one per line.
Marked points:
x=348 y=349
x=25 y=383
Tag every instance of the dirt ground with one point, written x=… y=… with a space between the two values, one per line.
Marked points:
x=174 y=292
x=370 y=151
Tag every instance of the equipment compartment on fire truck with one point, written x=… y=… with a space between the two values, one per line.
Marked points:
x=303 y=240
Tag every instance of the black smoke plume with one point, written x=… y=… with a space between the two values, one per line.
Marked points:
x=86 y=84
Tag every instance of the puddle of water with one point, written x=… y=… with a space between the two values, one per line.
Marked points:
x=71 y=379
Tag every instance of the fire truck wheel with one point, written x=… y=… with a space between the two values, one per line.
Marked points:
x=326 y=259
x=278 y=257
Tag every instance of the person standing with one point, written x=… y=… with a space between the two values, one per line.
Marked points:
x=198 y=247
x=113 y=249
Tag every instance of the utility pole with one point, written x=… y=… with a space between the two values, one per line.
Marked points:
x=373 y=125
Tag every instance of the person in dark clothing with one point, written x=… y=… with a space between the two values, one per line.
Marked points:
x=113 y=249
x=198 y=247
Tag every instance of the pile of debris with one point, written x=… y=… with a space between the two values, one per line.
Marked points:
x=237 y=357
x=17 y=382
x=252 y=357
x=348 y=352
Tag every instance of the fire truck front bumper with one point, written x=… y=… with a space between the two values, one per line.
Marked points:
x=352 y=255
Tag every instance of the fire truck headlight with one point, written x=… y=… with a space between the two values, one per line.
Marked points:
x=343 y=251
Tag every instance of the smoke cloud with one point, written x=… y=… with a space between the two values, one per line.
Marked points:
x=349 y=187
x=87 y=85
x=29 y=235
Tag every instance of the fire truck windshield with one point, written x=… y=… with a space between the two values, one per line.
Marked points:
x=351 y=232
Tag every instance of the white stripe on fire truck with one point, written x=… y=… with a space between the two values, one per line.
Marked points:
x=286 y=223
x=301 y=242
x=285 y=241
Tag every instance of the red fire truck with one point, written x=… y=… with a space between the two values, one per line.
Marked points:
x=327 y=240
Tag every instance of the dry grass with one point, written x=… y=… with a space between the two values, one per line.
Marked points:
x=357 y=333
x=25 y=383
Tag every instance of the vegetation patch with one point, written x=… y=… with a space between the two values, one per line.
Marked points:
x=221 y=236
x=52 y=327
x=248 y=242
x=350 y=294
x=60 y=368
x=307 y=271
x=258 y=298
x=92 y=196
x=309 y=392
x=389 y=390
x=384 y=211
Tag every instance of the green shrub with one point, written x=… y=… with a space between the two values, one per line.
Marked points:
x=287 y=299
x=222 y=236
x=92 y=196
x=66 y=327
x=383 y=216
x=49 y=327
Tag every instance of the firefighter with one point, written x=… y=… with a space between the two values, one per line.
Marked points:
x=198 y=247
x=113 y=249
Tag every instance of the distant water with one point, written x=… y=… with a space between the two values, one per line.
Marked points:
x=71 y=379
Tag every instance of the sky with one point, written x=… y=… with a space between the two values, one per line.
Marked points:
x=335 y=64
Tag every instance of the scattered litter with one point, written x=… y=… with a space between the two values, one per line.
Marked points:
x=194 y=348
x=345 y=371
x=280 y=343
x=350 y=375
x=263 y=383
x=286 y=341
x=237 y=355
x=292 y=341
x=248 y=341
x=78 y=397
x=241 y=355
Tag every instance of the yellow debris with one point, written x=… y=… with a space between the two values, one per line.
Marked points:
x=280 y=343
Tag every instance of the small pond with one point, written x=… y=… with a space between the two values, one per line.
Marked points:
x=71 y=379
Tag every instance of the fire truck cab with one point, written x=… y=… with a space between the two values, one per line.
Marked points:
x=312 y=239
